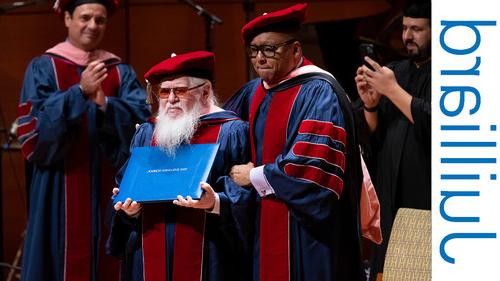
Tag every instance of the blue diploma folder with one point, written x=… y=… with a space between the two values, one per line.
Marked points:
x=153 y=176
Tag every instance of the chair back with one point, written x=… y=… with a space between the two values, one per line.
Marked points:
x=409 y=253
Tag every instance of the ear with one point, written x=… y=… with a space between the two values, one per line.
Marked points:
x=297 y=49
x=67 y=18
x=205 y=94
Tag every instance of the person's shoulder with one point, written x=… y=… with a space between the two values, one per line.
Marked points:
x=238 y=124
x=318 y=91
x=123 y=65
x=254 y=81
x=234 y=123
x=41 y=60
x=318 y=85
x=145 y=128
x=126 y=70
x=223 y=116
x=149 y=124
x=143 y=134
x=252 y=84
x=399 y=64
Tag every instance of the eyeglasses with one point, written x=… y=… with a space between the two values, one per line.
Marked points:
x=180 y=92
x=269 y=51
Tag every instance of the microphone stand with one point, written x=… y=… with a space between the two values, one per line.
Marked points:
x=249 y=8
x=210 y=21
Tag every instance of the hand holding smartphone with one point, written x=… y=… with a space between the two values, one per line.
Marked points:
x=367 y=50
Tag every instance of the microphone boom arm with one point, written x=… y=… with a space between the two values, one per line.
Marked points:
x=203 y=12
x=210 y=21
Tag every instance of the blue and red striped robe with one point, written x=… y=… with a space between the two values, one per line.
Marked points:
x=308 y=229
x=74 y=148
x=180 y=244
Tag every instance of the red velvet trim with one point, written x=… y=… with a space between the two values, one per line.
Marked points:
x=189 y=231
x=207 y=132
x=78 y=198
x=323 y=128
x=316 y=175
x=78 y=254
x=26 y=128
x=257 y=99
x=274 y=228
x=153 y=242
x=152 y=119
x=110 y=85
x=78 y=212
x=218 y=121
x=24 y=109
x=190 y=224
x=305 y=62
x=274 y=241
x=28 y=146
x=320 y=151
x=108 y=267
x=188 y=244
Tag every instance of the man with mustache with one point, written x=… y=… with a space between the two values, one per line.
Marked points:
x=76 y=118
x=166 y=242
x=397 y=111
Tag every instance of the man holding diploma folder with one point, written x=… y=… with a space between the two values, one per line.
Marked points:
x=162 y=241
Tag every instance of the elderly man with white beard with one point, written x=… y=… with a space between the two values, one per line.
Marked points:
x=207 y=241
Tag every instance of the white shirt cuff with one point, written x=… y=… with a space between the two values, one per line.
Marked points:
x=260 y=182
x=216 y=208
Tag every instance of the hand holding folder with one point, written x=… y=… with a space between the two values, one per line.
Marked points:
x=206 y=201
x=130 y=207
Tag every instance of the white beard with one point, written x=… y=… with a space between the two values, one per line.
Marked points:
x=169 y=132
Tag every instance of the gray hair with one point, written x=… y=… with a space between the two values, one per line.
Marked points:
x=195 y=81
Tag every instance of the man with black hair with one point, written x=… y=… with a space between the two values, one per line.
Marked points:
x=76 y=118
x=397 y=113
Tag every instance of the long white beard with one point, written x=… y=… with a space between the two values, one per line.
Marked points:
x=169 y=132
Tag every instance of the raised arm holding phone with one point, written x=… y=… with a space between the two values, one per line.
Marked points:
x=397 y=113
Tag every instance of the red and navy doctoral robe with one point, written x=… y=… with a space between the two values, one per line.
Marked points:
x=302 y=130
x=168 y=242
x=74 y=148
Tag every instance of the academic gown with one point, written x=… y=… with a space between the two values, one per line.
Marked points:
x=403 y=149
x=74 y=148
x=226 y=237
x=302 y=130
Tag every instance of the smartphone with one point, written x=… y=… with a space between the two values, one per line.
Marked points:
x=367 y=50
x=111 y=62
